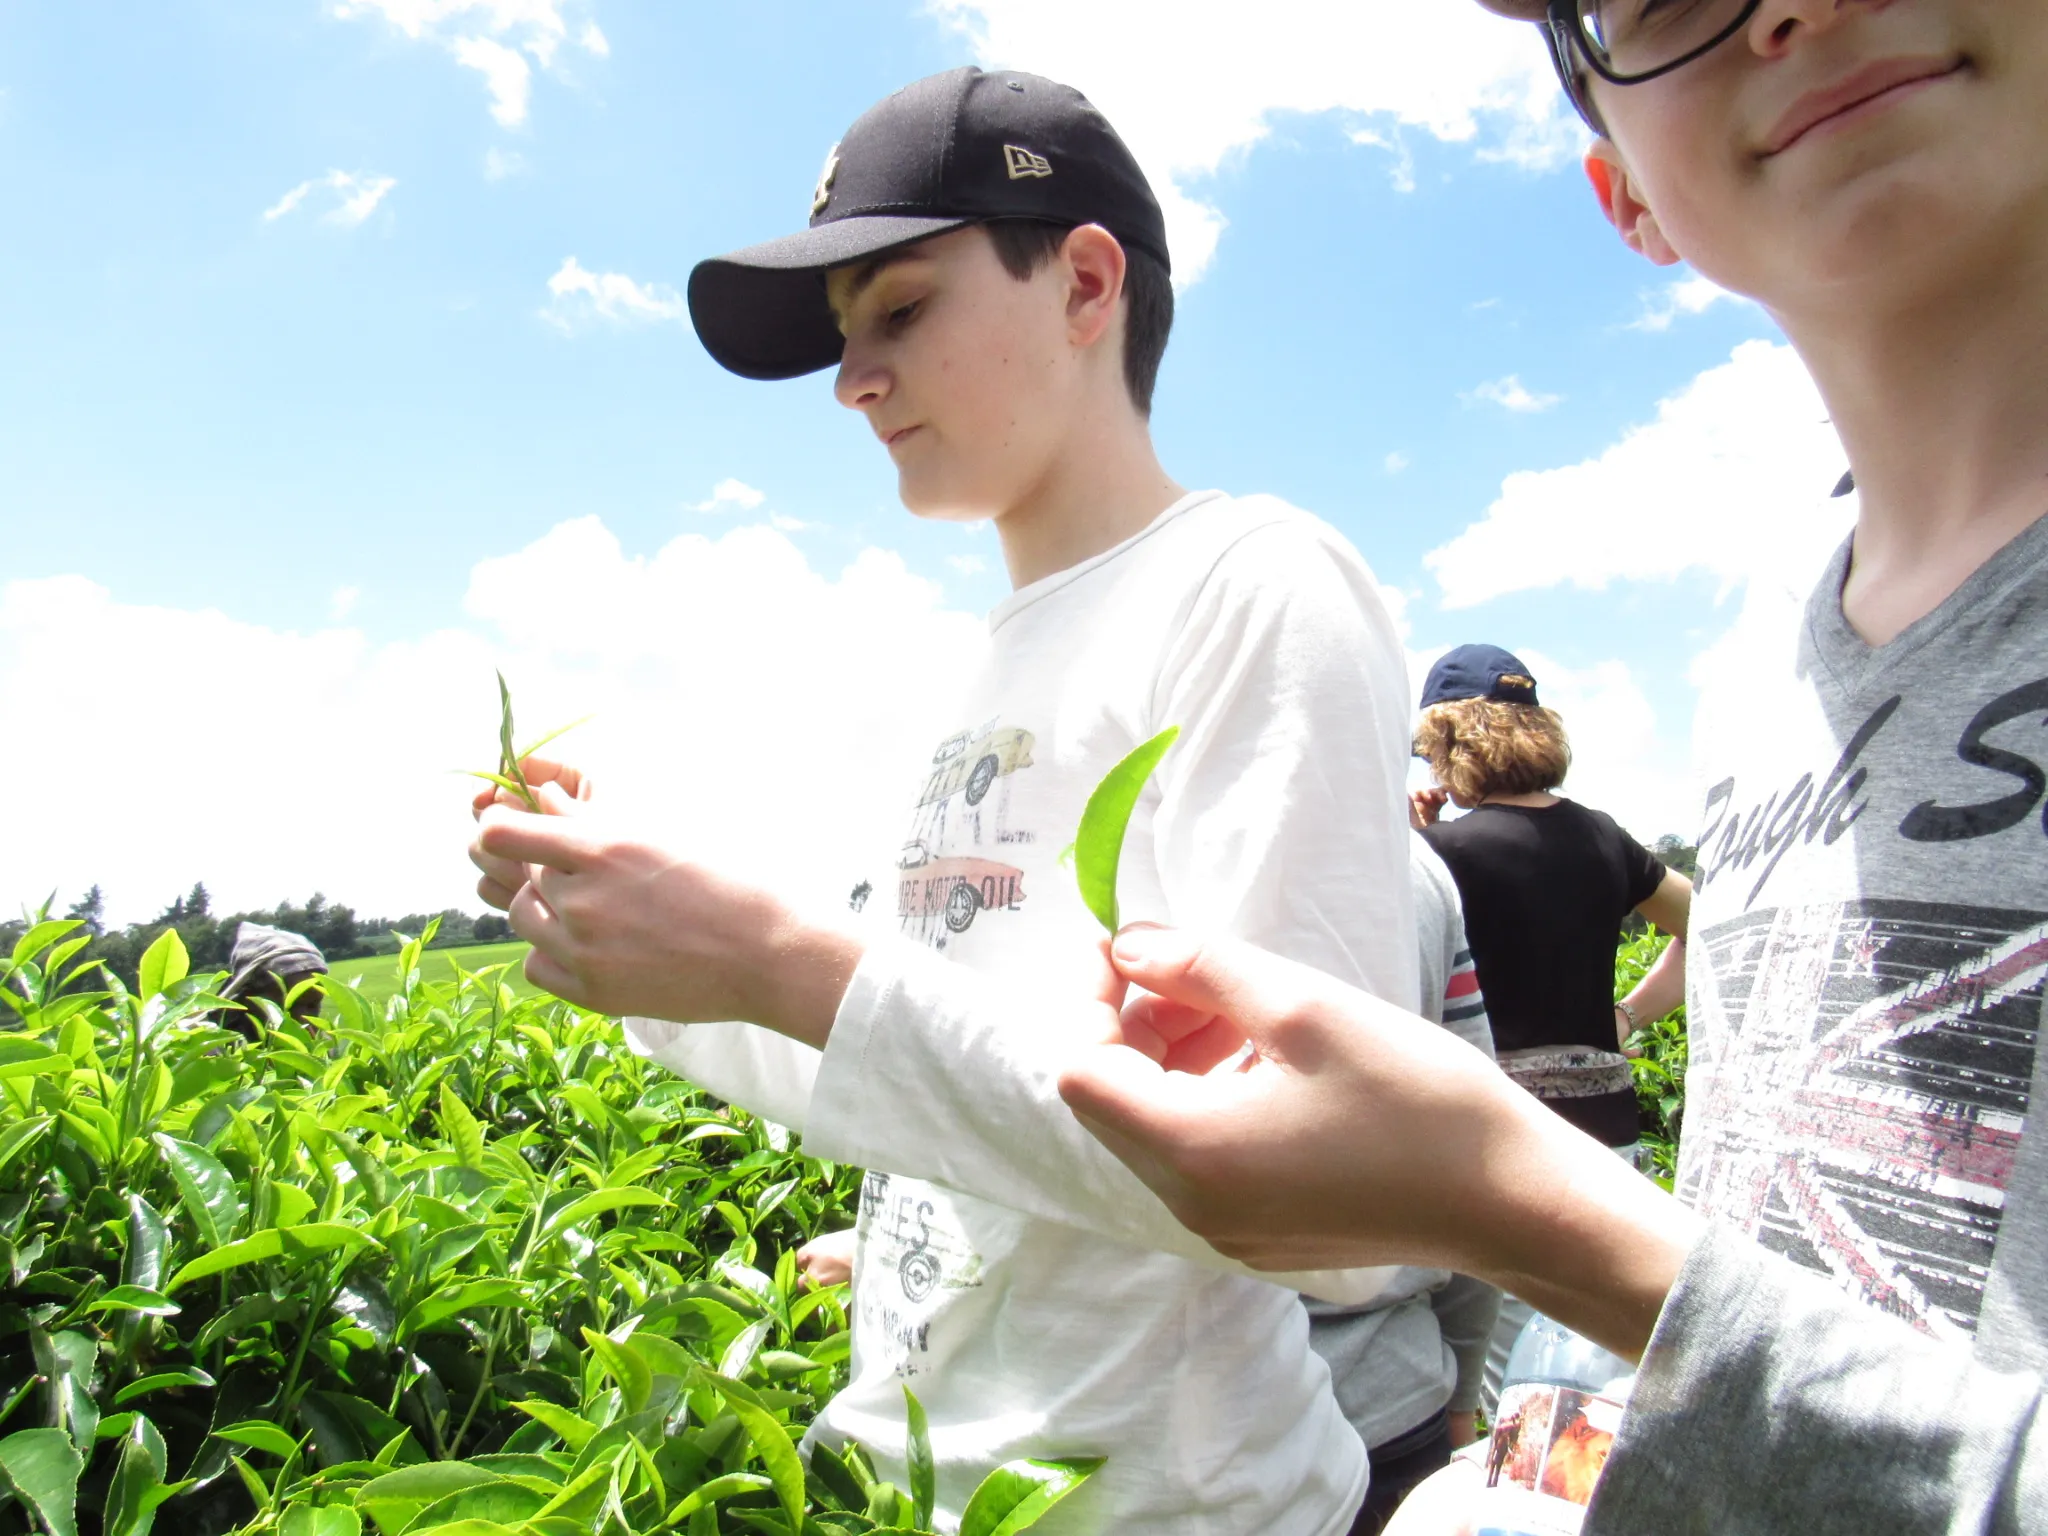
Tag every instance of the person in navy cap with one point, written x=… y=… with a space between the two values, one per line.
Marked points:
x=1546 y=884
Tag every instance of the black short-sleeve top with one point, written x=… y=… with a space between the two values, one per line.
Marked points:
x=1545 y=891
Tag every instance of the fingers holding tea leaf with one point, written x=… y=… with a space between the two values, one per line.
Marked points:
x=506 y=835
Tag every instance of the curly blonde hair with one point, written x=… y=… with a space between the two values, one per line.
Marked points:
x=1482 y=747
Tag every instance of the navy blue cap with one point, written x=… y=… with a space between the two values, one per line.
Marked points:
x=1479 y=672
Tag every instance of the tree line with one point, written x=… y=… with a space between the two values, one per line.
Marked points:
x=209 y=936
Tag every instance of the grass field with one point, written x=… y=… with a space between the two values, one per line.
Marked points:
x=379 y=973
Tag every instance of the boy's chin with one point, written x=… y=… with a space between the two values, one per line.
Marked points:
x=943 y=504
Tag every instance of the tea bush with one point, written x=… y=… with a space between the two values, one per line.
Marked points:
x=456 y=1263
x=1659 y=1066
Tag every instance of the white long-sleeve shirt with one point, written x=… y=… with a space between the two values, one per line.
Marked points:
x=1034 y=1295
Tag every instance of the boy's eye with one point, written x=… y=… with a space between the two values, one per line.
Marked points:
x=902 y=313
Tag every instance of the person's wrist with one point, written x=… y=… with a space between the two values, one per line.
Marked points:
x=1575 y=1231
x=805 y=972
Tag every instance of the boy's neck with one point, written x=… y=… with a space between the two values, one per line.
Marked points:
x=1943 y=408
x=1103 y=487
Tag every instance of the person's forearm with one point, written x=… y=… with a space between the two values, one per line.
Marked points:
x=1577 y=1233
x=968 y=1068
x=1662 y=987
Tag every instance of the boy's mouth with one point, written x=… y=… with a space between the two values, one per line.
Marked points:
x=891 y=439
x=1870 y=89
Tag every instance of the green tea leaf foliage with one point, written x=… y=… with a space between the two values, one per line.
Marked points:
x=452 y=1262
x=1099 y=844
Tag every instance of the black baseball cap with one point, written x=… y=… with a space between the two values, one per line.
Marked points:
x=954 y=149
x=1479 y=672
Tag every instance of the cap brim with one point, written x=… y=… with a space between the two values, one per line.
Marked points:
x=761 y=312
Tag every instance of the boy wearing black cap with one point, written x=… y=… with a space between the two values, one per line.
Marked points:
x=988 y=270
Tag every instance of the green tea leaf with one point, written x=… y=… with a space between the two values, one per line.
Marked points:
x=718 y=1488
x=185 y=1376
x=20 y=1136
x=30 y=1058
x=164 y=964
x=464 y=1135
x=294 y=1242
x=137 y=1487
x=924 y=1475
x=136 y=1298
x=41 y=936
x=508 y=755
x=321 y=1520
x=1099 y=844
x=778 y=1455
x=573 y=1431
x=450 y=1301
x=42 y=1467
x=635 y=1381
x=596 y=1203
x=260 y=1435
x=208 y=1190
x=1017 y=1494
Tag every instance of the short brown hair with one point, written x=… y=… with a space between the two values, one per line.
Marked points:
x=1482 y=747
x=1025 y=245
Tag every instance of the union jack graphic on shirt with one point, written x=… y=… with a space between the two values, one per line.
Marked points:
x=1858 y=1096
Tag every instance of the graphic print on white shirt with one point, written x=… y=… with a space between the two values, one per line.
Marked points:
x=951 y=869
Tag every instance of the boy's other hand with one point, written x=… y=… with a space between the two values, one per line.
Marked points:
x=560 y=788
x=625 y=927
x=1426 y=807
x=826 y=1259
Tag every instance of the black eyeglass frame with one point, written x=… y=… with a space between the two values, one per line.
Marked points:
x=1564 y=31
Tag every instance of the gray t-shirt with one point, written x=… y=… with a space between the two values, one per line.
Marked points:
x=1868 y=944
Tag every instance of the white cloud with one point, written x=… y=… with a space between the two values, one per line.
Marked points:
x=581 y=295
x=1188 y=82
x=1510 y=394
x=782 y=522
x=343 y=602
x=496 y=38
x=728 y=494
x=1401 y=175
x=1693 y=295
x=1395 y=462
x=1726 y=480
x=507 y=76
x=501 y=163
x=356 y=197
x=755 y=709
x=967 y=565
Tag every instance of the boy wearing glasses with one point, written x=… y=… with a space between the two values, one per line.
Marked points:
x=1870 y=933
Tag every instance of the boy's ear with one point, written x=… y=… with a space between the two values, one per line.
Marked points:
x=1095 y=265
x=1632 y=218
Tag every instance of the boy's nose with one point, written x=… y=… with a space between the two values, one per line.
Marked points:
x=1778 y=22
x=861 y=383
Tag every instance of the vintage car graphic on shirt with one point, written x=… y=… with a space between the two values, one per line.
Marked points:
x=949 y=893
x=969 y=763
x=1861 y=1108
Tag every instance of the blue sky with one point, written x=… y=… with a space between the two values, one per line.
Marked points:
x=291 y=411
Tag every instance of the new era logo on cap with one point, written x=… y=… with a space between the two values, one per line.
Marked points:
x=1020 y=162
x=822 y=193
